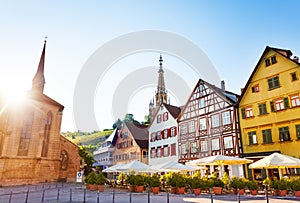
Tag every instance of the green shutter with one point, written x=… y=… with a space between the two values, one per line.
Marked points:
x=243 y=113
x=286 y=103
x=272 y=106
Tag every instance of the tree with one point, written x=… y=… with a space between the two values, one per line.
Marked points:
x=129 y=118
x=88 y=159
x=118 y=124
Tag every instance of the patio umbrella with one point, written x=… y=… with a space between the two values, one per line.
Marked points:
x=276 y=160
x=135 y=165
x=114 y=168
x=172 y=166
x=219 y=160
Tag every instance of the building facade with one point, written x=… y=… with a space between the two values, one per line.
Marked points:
x=31 y=147
x=132 y=144
x=269 y=108
x=163 y=144
x=103 y=156
x=208 y=125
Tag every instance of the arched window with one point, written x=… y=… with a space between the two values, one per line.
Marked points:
x=25 y=134
x=47 y=127
x=64 y=160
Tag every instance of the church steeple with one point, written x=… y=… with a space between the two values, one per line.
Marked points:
x=161 y=92
x=38 y=80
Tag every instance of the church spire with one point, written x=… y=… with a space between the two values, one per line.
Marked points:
x=38 y=80
x=161 y=93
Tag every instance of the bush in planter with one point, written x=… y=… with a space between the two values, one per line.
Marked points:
x=252 y=185
x=139 y=180
x=91 y=178
x=237 y=183
x=100 y=181
x=295 y=186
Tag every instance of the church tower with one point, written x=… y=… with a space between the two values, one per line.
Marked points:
x=161 y=95
x=38 y=81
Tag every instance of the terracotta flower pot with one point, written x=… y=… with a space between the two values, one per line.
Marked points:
x=88 y=186
x=173 y=190
x=253 y=192
x=155 y=190
x=140 y=188
x=242 y=191
x=197 y=191
x=297 y=193
x=181 y=190
x=101 y=188
x=283 y=192
x=93 y=187
x=217 y=190
x=132 y=188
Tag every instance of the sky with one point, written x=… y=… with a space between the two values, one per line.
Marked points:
x=232 y=34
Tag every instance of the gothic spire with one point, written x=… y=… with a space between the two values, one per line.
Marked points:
x=38 y=80
x=161 y=93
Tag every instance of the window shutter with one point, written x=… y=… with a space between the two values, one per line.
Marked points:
x=286 y=103
x=169 y=150
x=243 y=113
x=162 y=152
x=253 y=89
x=162 y=134
x=169 y=132
x=175 y=131
x=155 y=136
x=272 y=106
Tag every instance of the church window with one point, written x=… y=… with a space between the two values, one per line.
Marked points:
x=25 y=134
x=47 y=127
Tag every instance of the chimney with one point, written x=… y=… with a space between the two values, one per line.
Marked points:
x=296 y=59
x=223 y=85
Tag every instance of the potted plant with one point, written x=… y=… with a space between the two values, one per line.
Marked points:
x=100 y=181
x=91 y=181
x=252 y=186
x=180 y=183
x=196 y=184
x=154 y=183
x=131 y=182
x=139 y=183
x=282 y=187
x=238 y=183
x=217 y=185
x=171 y=179
x=295 y=186
x=122 y=178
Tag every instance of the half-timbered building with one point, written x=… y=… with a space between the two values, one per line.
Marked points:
x=163 y=144
x=208 y=124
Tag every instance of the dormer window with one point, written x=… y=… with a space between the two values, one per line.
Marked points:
x=273 y=59
x=268 y=62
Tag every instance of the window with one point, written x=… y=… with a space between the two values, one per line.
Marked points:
x=201 y=103
x=166 y=134
x=158 y=135
x=183 y=149
x=152 y=152
x=173 y=132
x=279 y=104
x=194 y=147
x=166 y=150
x=284 y=134
x=166 y=116
x=202 y=122
x=226 y=118
x=204 y=147
x=268 y=62
x=273 y=59
x=294 y=76
x=252 y=137
x=215 y=121
x=158 y=154
x=46 y=134
x=297 y=132
x=152 y=137
x=64 y=158
x=295 y=100
x=248 y=112
x=267 y=136
x=183 y=129
x=262 y=109
x=215 y=144
x=228 y=142
x=158 y=118
x=255 y=88
x=273 y=82
x=191 y=126
x=25 y=135
x=173 y=149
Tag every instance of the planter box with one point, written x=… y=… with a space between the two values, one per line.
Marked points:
x=139 y=188
x=181 y=190
x=217 y=190
x=197 y=191
x=155 y=190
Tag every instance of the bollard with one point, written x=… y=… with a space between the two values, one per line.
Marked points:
x=84 y=194
x=27 y=194
x=98 y=197
x=168 y=200
x=238 y=195
x=211 y=196
x=113 y=196
x=148 y=195
x=57 y=194
x=43 y=196
x=267 y=196
x=130 y=197
x=10 y=196
x=70 y=194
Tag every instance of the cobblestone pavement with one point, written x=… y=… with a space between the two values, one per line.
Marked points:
x=65 y=192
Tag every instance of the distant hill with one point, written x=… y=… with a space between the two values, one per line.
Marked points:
x=90 y=140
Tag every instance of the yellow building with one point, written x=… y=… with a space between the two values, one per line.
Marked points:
x=269 y=108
